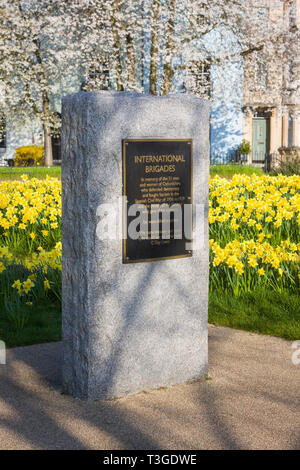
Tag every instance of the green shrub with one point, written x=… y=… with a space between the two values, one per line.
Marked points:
x=29 y=155
x=289 y=162
x=245 y=147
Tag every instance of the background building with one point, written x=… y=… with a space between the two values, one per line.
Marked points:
x=271 y=104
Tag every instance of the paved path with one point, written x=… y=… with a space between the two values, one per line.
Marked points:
x=251 y=402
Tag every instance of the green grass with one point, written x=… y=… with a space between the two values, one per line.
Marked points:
x=44 y=326
x=227 y=171
x=262 y=312
x=265 y=312
x=12 y=173
x=15 y=173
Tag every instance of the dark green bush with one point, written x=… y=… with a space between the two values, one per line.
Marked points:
x=289 y=162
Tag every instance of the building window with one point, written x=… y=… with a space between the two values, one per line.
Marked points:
x=290 y=131
x=262 y=11
x=292 y=15
x=199 y=79
x=2 y=134
x=261 y=71
x=56 y=147
x=98 y=78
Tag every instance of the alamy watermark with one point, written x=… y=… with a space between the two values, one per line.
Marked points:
x=2 y=353
x=119 y=221
x=296 y=353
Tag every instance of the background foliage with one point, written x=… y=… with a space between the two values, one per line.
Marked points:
x=29 y=155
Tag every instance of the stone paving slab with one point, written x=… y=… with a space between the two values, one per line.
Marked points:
x=251 y=402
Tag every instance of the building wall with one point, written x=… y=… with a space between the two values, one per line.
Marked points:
x=282 y=107
x=226 y=131
x=18 y=135
x=226 y=127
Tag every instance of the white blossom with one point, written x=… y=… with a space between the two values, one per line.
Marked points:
x=150 y=46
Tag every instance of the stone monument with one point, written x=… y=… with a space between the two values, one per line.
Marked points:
x=134 y=309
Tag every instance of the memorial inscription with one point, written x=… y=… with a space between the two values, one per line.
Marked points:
x=157 y=185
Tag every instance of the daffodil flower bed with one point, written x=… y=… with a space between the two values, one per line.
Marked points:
x=30 y=245
x=254 y=238
x=254 y=233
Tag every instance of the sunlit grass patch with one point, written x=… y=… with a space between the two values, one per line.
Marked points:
x=15 y=173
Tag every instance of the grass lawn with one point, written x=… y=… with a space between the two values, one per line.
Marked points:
x=15 y=173
x=44 y=326
x=268 y=313
x=263 y=312
x=227 y=171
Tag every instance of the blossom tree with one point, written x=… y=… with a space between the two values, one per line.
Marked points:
x=43 y=48
x=150 y=43
x=151 y=46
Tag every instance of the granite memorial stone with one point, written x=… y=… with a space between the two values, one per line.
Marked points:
x=129 y=324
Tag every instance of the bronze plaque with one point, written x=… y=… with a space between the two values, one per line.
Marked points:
x=157 y=175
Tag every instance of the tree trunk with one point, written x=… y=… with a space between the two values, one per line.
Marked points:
x=116 y=26
x=47 y=146
x=154 y=48
x=141 y=59
x=130 y=63
x=168 y=71
x=46 y=129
